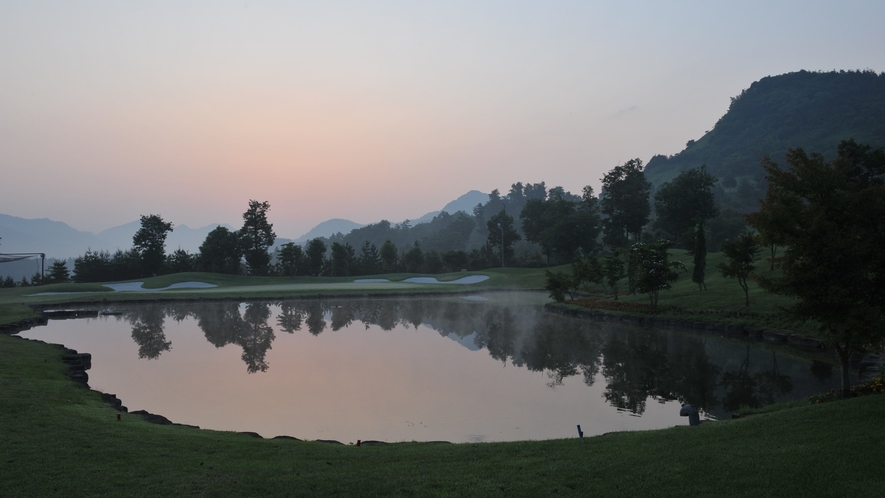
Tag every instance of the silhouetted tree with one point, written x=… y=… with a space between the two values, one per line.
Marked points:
x=150 y=243
x=180 y=261
x=413 y=259
x=831 y=220
x=292 y=260
x=388 y=256
x=256 y=237
x=653 y=271
x=339 y=260
x=220 y=252
x=370 y=259
x=624 y=202
x=502 y=223
x=316 y=253
x=58 y=272
x=741 y=253
x=685 y=202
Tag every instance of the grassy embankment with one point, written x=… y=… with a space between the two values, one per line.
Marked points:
x=722 y=301
x=59 y=439
x=242 y=287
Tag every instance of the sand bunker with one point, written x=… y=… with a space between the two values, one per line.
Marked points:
x=470 y=279
x=137 y=286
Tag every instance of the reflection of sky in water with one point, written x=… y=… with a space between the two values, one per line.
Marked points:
x=417 y=369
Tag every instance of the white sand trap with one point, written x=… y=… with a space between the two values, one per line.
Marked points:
x=137 y=286
x=470 y=279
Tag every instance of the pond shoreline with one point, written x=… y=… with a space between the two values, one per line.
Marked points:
x=774 y=336
x=78 y=370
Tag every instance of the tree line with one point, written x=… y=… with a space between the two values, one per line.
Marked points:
x=530 y=226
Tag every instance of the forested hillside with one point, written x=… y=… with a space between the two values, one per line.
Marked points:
x=811 y=110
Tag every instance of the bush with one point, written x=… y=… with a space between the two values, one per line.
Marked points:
x=875 y=386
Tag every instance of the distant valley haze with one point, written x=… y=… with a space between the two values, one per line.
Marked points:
x=365 y=111
x=59 y=240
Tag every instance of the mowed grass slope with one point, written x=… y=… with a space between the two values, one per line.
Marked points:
x=59 y=439
x=249 y=287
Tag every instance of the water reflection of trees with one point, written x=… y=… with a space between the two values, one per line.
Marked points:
x=147 y=330
x=637 y=364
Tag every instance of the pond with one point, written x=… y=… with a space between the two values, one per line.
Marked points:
x=489 y=367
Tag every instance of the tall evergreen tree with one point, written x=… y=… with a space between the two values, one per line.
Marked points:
x=316 y=253
x=501 y=231
x=700 y=257
x=257 y=236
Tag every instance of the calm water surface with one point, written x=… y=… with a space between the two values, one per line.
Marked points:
x=494 y=367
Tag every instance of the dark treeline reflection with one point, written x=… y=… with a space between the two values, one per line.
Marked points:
x=637 y=364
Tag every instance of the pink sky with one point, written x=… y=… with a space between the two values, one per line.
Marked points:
x=365 y=111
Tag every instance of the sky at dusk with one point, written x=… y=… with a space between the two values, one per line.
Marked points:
x=372 y=110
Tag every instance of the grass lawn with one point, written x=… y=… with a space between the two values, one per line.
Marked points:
x=243 y=287
x=59 y=439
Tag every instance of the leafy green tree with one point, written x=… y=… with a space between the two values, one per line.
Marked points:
x=58 y=272
x=316 y=253
x=256 y=237
x=292 y=260
x=625 y=203
x=560 y=283
x=741 y=253
x=614 y=271
x=587 y=271
x=150 y=243
x=653 y=270
x=830 y=218
x=563 y=225
x=685 y=202
x=220 y=252
x=181 y=261
x=501 y=231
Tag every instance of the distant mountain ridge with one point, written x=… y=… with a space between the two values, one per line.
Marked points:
x=811 y=110
x=59 y=240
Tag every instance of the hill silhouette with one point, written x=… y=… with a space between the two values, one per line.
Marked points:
x=811 y=110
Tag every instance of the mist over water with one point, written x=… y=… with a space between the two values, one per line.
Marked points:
x=489 y=367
